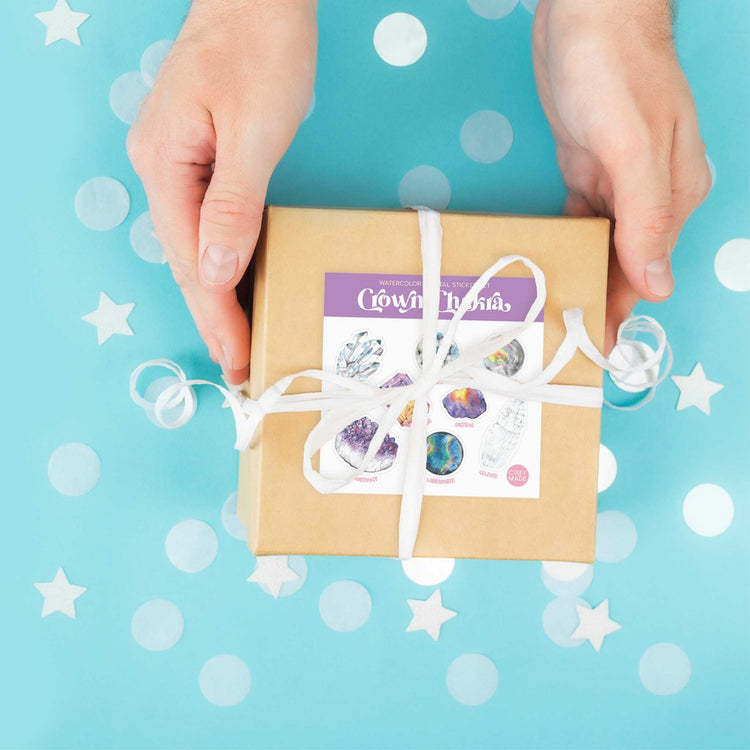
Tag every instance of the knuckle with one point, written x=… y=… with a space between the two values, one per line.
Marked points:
x=228 y=207
x=658 y=221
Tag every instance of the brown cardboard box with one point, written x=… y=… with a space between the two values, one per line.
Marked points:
x=283 y=514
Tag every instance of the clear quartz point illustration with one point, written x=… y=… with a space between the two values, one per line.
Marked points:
x=359 y=357
x=503 y=437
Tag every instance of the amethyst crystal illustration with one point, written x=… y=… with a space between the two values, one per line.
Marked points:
x=398 y=380
x=354 y=440
x=359 y=357
x=444 y=453
x=504 y=436
x=507 y=361
x=453 y=352
x=465 y=403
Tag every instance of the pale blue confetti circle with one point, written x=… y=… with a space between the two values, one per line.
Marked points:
x=102 y=203
x=574 y=587
x=74 y=469
x=152 y=59
x=607 y=468
x=560 y=619
x=711 y=169
x=400 y=39
x=664 y=669
x=298 y=564
x=486 y=136
x=144 y=242
x=472 y=679
x=225 y=680
x=732 y=264
x=530 y=5
x=345 y=606
x=425 y=186
x=616 y=536
x=126 y=95
x=492 y=9
x=157 y=625
x=310 y=106
x=191 y=546
x=229 y=520
x=169 y=415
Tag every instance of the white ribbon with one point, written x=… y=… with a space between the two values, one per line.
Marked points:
x=346 y=399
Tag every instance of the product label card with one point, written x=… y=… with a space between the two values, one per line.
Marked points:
x=479 y=444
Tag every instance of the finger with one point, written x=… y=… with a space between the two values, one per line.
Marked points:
x=576 y=205
x=621 y=300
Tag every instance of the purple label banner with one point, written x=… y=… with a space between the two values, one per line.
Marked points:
x=374 y=295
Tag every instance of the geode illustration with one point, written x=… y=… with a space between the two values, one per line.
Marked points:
x=359 y=357
x=444 y=453
x=508 y=360
x=398 y=380
x=354 y=440
x=504 y=436
x=453 y=352
x=465 y=403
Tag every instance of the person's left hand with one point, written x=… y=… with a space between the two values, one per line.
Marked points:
x=626 y=132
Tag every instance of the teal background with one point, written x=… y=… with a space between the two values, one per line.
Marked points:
x=85 y=683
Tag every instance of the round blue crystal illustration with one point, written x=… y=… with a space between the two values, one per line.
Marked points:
x=453 y=352
x=444 y=453
x=359 y=357
x=508 y=360
x=354 y=440
x=465 y=403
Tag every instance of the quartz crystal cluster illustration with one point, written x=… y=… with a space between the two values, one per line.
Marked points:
x=504 y=436
x=359 y=357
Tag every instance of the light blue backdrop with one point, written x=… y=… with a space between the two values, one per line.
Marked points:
x=86 y=683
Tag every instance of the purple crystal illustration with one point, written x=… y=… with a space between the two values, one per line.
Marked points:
x=453 y=352
x=444 y=453
x=508 y=360
x=504 y=436
x=398 y=380
x=359 y=357
x=465 y=403
x=354 y=440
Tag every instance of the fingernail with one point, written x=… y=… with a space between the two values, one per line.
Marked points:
x=219 y=264
x=659 y=277
x=227 y=358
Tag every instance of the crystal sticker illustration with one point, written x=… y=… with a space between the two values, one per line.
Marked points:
x=354 y=440
x=507 y=361
x=359 y=357
x=397 y=381
x=465 y=403
x=444 y=453
x=453 y=352
x=504 y=436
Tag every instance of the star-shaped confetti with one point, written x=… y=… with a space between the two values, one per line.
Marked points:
x=429 y=614
x=62 y=23
x=594 y=624
x=59 y=595
x=110 y=318
x=696 y=389
x=272 y=571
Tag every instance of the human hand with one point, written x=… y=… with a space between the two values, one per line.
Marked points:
x=226 y=104
x=626 y=132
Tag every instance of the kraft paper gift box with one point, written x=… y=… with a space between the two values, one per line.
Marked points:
x=326 y=279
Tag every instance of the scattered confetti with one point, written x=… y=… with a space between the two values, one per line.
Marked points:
x=565 y=571
x=616 y=536
x=110 y=318
x=429 y=614
x=486 y=136
x=732 y=264
x=607 y=468
x=229 y=520
x=664 y=669
x=62 y=23
x=574 y=587
x=400 y=39
x=345 y=606
x=126 y=95
x=492 y=9
x=102 y=203
x=74 y=469
x=59 y=595
x=152 y=59
x=708 y=509
x=272 y=572
x=157 y=625
x=472 y=679
x=191 y=546
x=225 y=680
x=428 y=571
x=425 y=186
x=696 y=390
x=594 y=625
x=560 y=619
x=144 y=242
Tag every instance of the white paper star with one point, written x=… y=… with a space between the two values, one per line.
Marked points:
x=696 y=389
x=110 y=318
x=429 y=614
x=594 y=624
x=59 y=595
x=62 y=23
x=273 y=572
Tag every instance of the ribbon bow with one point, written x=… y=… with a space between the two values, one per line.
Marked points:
x=342 y=400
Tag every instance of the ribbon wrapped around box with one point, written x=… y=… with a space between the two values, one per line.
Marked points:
x=387 y=494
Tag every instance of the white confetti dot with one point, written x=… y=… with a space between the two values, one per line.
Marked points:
x=425 y=186
x=310 y=106
x=616 y=536
x=472 y=679
x=400 y=39
x=229 y=519
x=298 y=565
x=560 y=619
x=144 y=242
x=530 y=5
x=171 y=414
x=486 y=136
x=708 y=509
x=628 y=353
x=428 y=571
x=732 y=264
x=225 y=680
x=345 y=606
x=492 y=9
x=711 y=169
x=664 y=669
x=74 y=469
x=102 y=203
x=125 y=96
x=607 y=468
x=191 y=546
x=568 y=588
x=152 y=59
x=565 y=571
x=157 y=625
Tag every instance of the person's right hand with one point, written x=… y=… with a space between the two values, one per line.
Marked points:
x=226 y=104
